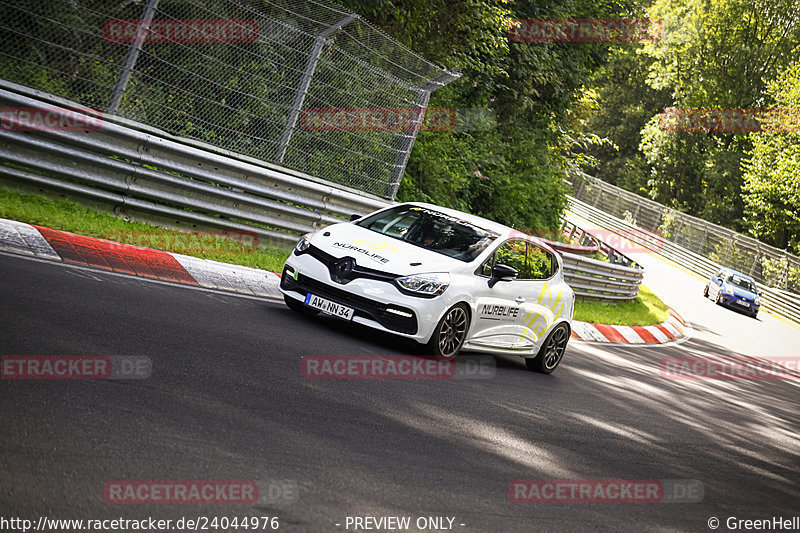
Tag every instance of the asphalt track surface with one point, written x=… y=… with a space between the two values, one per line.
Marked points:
x=226 y=401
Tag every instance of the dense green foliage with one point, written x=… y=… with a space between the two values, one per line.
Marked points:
x=772 y=174
x=715 y=54
x=512 y=171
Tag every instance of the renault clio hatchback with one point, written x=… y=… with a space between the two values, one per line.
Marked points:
x=449 y=280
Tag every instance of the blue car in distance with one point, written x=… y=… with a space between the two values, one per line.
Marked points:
x=734 y=290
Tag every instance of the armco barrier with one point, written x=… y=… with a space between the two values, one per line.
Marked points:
x=151 y=176
x=778 y=302
x=590 y=278
x=157 y=177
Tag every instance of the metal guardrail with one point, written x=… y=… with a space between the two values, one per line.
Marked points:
x=270 y=79
x=148 y=175
x=767 y=264
x=155 y=177
x=779 y=302
x=615 y=280
x=594 y=279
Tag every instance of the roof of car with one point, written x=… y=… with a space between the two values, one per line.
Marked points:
x=741 y=274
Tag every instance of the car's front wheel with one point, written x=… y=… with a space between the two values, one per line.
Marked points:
x=705 y=291
x=551 y=352
x=450 y=332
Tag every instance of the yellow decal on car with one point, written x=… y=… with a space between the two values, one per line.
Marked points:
x=540 y=322
x=376 y=245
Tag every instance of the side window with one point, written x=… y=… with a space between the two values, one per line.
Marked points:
x=511 y=253
x=540 y=263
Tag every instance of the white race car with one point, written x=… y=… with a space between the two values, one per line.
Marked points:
x=444 y=278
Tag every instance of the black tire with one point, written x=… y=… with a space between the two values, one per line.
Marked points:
x=718 y=299
x=450 y=332
x=705 y=291
x=551 y=352
x=299 y=307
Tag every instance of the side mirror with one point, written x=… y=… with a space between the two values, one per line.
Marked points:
x=354 y=217
x=501 y=272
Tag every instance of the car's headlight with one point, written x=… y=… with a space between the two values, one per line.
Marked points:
x=729 y=290
x=304 y=243
x=425 y=284
x=757 y=301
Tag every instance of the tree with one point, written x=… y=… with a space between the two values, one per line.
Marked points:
x=512 y=171
x=716 y=54
x=772 y=171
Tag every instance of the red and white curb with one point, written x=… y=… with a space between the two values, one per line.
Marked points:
x=45 y=243
x=673 y=329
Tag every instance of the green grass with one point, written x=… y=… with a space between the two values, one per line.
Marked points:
x=645 y=310
x=66 y=215
x=70 y=216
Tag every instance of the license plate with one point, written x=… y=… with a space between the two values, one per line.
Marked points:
x=746 y=304
x=328 y=307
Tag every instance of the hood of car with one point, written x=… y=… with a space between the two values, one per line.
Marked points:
x=373 y=250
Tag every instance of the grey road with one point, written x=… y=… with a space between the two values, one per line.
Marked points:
x=226 y=401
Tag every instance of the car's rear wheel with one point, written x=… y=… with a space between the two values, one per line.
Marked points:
x=718 y=300
x=450 y=332
x=551 y=352
x=298 y=306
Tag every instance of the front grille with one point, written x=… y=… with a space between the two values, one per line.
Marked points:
x=363 y=306
x=349 y=274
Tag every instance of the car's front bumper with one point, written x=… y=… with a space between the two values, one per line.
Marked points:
x=377 y=304
x=741 y=304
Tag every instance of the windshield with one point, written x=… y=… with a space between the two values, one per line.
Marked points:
x=431 y=230
x=742 y=283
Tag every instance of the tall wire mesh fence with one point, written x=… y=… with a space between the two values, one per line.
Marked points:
x=238 y=74
x=766 y=264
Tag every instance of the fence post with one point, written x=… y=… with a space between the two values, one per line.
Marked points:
x=785 y=273
x=728 y=251
x=305 y=82
x=755 y=260
x=142 y=29
x=579 y=192
x=410 y=135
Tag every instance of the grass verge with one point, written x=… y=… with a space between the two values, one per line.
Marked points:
x=66 y=215
x=645 y=310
